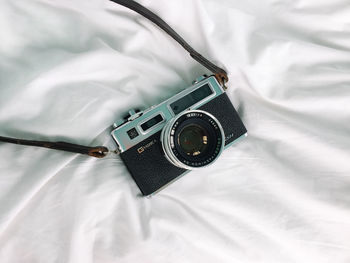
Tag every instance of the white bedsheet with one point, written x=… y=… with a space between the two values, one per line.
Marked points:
x=69 y=69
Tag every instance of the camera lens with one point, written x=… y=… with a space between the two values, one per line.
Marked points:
x=192 y=139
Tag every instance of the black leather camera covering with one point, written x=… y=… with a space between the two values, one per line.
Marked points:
x=146 y=161
x=150 y=168
x=222 y=108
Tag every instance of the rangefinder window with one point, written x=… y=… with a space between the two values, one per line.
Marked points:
x=191 y=99
x=150 y=123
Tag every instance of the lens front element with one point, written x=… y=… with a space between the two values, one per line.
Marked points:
x=193 y=139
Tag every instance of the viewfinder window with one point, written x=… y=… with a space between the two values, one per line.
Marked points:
x=191 y=99
x=150 y=123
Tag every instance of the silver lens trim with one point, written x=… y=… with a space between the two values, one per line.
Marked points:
x=167 y=144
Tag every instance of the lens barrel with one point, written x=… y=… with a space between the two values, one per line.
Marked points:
x=193 y=139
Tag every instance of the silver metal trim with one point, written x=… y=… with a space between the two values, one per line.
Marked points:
x=153 y=127
x=237 y=139
x=171 y=100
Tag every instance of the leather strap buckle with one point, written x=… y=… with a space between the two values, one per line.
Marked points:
x=222 y=78
x=98 y=152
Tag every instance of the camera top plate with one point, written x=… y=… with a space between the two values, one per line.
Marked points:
x=140 y=126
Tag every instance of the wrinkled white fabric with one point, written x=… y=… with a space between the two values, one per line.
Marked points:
x=69 y=69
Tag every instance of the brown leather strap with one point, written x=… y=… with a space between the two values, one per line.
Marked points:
x=219 y=73
x=98 y=151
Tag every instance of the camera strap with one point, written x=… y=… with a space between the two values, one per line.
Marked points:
x=101 y=151
x=219 y=73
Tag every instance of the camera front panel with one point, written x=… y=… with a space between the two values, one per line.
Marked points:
x=222 y=108
x=148 y=165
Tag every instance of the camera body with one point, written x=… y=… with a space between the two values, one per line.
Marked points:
x=188 y=131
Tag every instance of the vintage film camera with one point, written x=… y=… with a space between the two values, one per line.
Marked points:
x=188 y=131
